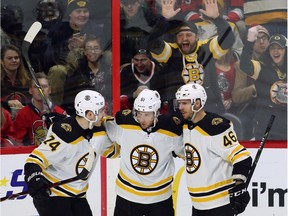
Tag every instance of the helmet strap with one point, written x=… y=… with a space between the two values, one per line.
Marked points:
x=90 y=126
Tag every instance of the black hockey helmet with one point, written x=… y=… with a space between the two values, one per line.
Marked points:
x=48 y=12
x=11 y=16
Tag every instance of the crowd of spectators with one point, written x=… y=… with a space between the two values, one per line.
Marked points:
x=239 y=57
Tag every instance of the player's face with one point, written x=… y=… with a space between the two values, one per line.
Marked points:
x=186 y=40
x=185 y=107
x=141 y=62
x=145 y=119
x=277 y=54
x=11 y=60
x=34 y=91
x=92 y=51
x=79 y=17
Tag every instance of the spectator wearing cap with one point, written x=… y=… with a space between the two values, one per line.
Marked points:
x=244 y=91
x=187 y=58
x=141 y=73
x=70 y=33
x=270 y=77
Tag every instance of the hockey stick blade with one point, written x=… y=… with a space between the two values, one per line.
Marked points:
x=32 y=32
x=82 y=175
x=28 y=39
x=263 y=141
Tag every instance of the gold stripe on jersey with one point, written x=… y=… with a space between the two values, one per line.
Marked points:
x=240 y=156
x=199 y=129
x=64 y=192
x=257 y=69
x=235 y=150
x=165 y=55
x=100 y=133
x=38 y=158
x=210 y=187
x=210 y=198
x=130 y=127
x=211 y=192
x=238 y=153
x=215 y=48
x=166 y=132
x=112 y=152
x=65 y=189
x=139 y=189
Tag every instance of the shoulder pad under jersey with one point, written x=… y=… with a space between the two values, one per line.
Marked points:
x=68 y=129
x=170 y=123
x=214 y=124
x=125 y=117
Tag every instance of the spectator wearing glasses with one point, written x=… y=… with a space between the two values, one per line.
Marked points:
x=270 y=76
x=29 y=123
x=244 y=91
x=70 y=33
x=141 y=73
x=90 y=69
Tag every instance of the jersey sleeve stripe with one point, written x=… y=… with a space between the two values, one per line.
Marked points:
x=166 y=132
x=38 y=158
x=165 y=55
x=143 y=191
x=215 y=49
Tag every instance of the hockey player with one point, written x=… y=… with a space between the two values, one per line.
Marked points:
x=147 y=140
x=63 y=154
x=216 y=164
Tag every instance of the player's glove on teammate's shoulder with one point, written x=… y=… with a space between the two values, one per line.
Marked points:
x=37 y=184
x=239 y=198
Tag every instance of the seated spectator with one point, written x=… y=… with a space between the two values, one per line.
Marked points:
x=14 y=78
x=7 y=129
x=88 y=70
x=270 y=75
x=141 y=73
x=136 y=21
x=244 y=91
x=29 y=122
x=70 y=34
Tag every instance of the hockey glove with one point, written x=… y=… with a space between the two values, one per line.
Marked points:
x=239 y=198
x=51 y=118
x=37 y=185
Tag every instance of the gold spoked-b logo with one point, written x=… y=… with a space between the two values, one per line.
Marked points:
x=193 y=159
x=144 y=159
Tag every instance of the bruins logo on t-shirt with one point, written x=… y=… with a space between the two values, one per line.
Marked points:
x=278 y=93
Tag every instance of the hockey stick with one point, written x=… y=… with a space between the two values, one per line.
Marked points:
x=82 y=175
x=28 y=39
x=263 y=141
